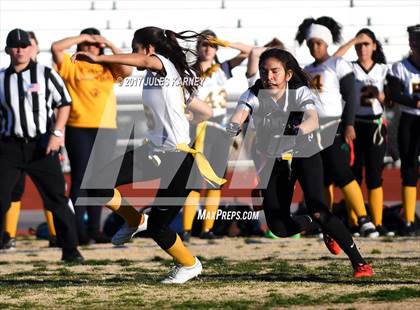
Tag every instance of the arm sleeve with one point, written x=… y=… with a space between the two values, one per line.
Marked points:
x=58 y=90
x=227 y=69
x=348 y=92
x=396 y=92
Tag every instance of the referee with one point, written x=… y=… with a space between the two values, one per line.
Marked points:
x=31 y=135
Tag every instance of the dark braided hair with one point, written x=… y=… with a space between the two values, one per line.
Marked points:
x=299 y=78
x=330 y=23
x=166 y=44
x=378 y=55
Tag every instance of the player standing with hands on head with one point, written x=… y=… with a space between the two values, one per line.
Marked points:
x=91 y=132
x=404 y=85
x=370 y=71
x=166 y=155
x=334 y=80
x=282 y=91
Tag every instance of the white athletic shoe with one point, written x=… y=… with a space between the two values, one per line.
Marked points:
x=180 y=274
x=126 y=233
x=367 y=229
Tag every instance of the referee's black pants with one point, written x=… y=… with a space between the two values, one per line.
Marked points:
x=45 y=171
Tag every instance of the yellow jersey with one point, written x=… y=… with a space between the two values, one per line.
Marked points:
x=91 y=87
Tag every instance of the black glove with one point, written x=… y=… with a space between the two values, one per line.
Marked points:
x=233 y=129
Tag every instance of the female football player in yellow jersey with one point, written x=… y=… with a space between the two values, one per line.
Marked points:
x=91 y=131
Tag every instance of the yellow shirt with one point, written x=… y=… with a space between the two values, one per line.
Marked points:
x=91 y=87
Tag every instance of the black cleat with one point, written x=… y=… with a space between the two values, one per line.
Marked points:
x=408 y=230
x=8 y=244
x=209 y=235
x=384 y=232
x=72 y=256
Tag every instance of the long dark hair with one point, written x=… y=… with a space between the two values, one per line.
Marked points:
x=91 y=31
x=202 y=38
x=166 y=44
x=330 y=23
x=378 y=55
x=289 y=62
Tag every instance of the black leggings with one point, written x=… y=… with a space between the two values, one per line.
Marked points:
x=335 y=160
x=409 y=147
x=93 y=146
x=134 y=166
x=369 y=153
x=278 y=197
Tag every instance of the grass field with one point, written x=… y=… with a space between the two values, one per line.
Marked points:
x=238 y=273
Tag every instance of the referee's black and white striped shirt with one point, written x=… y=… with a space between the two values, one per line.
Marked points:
x=28 y=100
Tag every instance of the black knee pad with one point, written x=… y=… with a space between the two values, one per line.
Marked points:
x=164 y=236
x=343 y=177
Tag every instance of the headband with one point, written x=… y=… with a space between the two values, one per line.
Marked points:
x=319 y=32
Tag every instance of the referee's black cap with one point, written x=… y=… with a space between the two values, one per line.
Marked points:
x=18 y=38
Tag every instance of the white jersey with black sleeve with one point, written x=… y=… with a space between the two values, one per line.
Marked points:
x=303 y=99
x=325 y=78
x=164 y=105
x=375 y=76
x=407 y=92
x=258 y=109
x=271 y=119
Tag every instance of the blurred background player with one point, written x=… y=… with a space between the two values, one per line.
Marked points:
x=334 y=80
x=252 y=73
x=12 y=216
x=91 y=131
x=209 y=137
x=370 y=71
x=404 y=84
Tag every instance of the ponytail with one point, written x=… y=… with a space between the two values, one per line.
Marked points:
x=166 y=44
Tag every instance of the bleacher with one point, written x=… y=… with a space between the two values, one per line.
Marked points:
x=248 y=21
